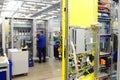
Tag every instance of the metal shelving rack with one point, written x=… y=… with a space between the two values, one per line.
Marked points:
x=105 y=45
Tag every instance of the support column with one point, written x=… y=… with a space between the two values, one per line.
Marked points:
x=3 y=35
x=12 y=33
x=46 y=31
x=34 y=38
x=118 y=59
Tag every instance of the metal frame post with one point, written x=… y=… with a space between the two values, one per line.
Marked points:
x=118 y=61
x=47 y=38
x=12 y=33
x=3 y=34
x=34 y=38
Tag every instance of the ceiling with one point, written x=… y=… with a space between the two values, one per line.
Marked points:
x=30 y=8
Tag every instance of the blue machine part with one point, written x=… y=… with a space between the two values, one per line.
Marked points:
x=107 y=27
x=104 y=15
x=105 y=36
x=113 y=76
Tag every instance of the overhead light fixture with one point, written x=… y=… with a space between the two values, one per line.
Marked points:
x=48 y=5
x=24 y=8
x=58 y=9
x=27 y=5
x=11 y=7
x=43 y=7
x=33 y=9
x=54 y=16
x=42 y=4
x=41 y=16
x=54 y=1
x=33 y=3
x=54 y=11
x=50 y=13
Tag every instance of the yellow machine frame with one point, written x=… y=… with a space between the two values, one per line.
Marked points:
x=76 y=13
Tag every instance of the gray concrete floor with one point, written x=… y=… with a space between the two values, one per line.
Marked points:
x=50 y=70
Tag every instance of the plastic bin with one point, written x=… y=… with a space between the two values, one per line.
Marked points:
x=3 y=75
x=10 y=69
x=31 y=62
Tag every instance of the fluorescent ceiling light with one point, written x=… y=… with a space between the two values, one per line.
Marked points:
x=54 y=1
x=58 y=9
x=42 y=4
x=24 y=8
x=41 y=16
x=33 y=9
x=43 y=7
x=30 y=3
x=27 y=5
x=50 y=13
x=50 y=17
x=11 y=6
x=54 y=11
x=54 y=16
x=48 y=5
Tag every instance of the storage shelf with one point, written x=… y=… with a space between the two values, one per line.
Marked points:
x=114 y=71
x=104 y=34
x=103 y=66
x=101 y=19
x=105 y=21
x=104 y=54
x=101 y=11
x=104 y=18
x=103 y=75
x=103 y=7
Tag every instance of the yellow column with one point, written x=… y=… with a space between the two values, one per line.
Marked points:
x=81 y=13
x=64 y=27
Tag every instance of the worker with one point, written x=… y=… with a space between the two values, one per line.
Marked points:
x=42 y=47
x=56 y=38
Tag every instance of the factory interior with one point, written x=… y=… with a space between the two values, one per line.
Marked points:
x=59 y=39
x=20 y=23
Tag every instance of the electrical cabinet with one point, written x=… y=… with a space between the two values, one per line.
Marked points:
x=82 y=52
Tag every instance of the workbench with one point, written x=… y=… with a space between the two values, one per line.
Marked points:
x=4 y=66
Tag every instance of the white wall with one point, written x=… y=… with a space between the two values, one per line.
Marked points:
x=53 y=25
